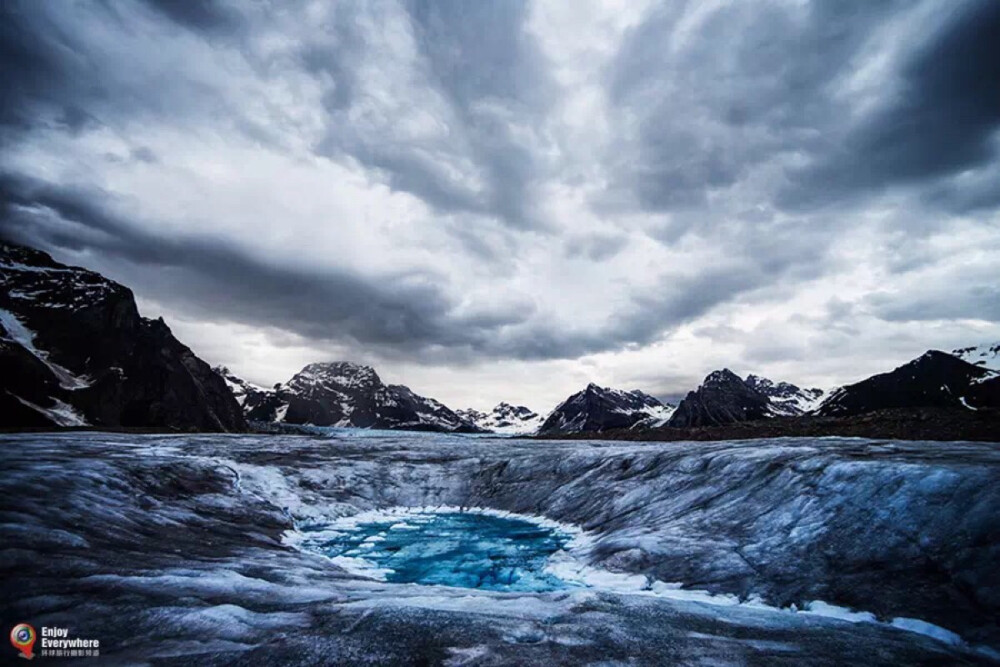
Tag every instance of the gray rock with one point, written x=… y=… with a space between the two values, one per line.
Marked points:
x=722 y=398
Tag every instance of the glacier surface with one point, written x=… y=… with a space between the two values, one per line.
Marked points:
x=188 y=549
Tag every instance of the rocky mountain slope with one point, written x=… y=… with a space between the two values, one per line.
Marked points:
x=244 y=392
x=721 y=399
x=785 y=399
x=597 y=409
x=935 y=379
x=936 y=424
x=505 y=418
x=344 y=394
x=74 y=351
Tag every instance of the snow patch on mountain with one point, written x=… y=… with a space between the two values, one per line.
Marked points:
x=241 y=388
x=657 y=415
x=786 y=399
x=598 y=409
x=345 y=395
x=61 y=413
x=505 y=419
x=20 y=334
x=985 y=356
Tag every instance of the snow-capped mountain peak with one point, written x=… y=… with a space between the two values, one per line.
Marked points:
x=339 y=374
x=786 y=399
x=241 y=388
x=722 y=397
x=720 y=378
x=346 y=394
x=599 y=408
x=505 y=418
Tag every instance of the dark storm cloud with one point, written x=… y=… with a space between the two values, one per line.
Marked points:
x=203 y=15
x=732 y=128
x=751 y=82
x=940 y=302
x=54 y=78
x=757 y=82
x=143 y=154
x=943 y=120
x=60 y=70
x=486 y=69
x=218 y=277
x=214 y=278
x=480 y=52
x=33 y=64
x=683 y=299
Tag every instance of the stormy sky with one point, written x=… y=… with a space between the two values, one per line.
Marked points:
x=504 y=201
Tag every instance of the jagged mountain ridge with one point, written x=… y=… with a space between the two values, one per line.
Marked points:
x=597 y=409
x=724 y=397
x=242 y=390
x=935 y=379
x=344 y=394
x=74 y=351
x=258 y=403
x=785 y=399
x=505 y=418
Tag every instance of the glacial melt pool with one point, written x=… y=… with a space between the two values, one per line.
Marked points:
x=445 y=548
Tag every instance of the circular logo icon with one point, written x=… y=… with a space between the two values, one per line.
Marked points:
x=23 y=638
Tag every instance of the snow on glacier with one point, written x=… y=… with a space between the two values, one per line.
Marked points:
x=658 y=530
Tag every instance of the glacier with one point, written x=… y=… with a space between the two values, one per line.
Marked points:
x=188 y=549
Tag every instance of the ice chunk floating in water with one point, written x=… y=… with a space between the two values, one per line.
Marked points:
x=466 y=549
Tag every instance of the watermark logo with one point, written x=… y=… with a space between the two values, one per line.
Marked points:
x=23 y=638
x=55 y=643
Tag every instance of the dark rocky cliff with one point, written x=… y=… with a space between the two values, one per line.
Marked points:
x=75 y=351
x=934 y=380
x=722 y=398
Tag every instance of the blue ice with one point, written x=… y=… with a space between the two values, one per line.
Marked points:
x=462 y=549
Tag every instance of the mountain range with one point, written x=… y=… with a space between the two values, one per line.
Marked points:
x=344 y=394
x=74 y=351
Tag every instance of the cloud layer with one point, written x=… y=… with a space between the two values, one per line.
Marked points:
x=503 y=200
